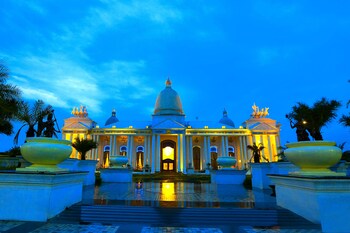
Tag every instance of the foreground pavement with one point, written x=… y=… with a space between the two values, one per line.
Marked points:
x=171 y=207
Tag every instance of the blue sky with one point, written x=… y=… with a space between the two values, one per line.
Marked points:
x=221 y=54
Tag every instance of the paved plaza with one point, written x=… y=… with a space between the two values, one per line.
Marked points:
x=147 y=202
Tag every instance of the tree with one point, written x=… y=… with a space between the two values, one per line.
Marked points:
x=311 y=119
x=83 y=146
x=256 y=150
x=9 y=102
x=32 y=116
x=345 y=119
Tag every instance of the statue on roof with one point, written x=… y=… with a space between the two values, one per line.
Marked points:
x=257 y=113
x=81 y=112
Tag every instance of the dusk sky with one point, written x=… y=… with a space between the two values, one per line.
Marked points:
x=218 y=54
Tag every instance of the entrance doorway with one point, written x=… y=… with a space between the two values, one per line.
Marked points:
x=168 y=156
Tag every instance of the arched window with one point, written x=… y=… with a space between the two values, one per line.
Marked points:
x=196 y=158
x=139 y=158
x=140 y=149
x=123 y=150
x=231 y=151
x=214 y=149
x=214 y=156
x=106 y=148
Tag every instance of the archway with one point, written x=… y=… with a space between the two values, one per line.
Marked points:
x=197 y=158
x=214 y=156
x=139 y=157
x=168 y=156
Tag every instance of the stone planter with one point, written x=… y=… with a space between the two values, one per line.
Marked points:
x=118 y=161
x=45 y=154
x=314 y=157
x=226 y=162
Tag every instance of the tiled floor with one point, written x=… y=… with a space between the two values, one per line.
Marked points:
x=182 y=194
x=7 y=225
x=74 y=228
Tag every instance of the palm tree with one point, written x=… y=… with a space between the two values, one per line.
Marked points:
x=312 y=119
x=345 y=120
x=256 y=149
x=32 y=117
x=83 y=146
x=9 y=102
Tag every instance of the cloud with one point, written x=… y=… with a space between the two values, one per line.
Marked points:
x=61 y=72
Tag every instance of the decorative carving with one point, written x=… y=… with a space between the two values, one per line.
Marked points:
x=259 y=113
x=82 y=112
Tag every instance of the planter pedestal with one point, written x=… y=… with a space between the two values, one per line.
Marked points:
x=76 y=165
x=228 y=176
x=259 y=175
x=111 y=175
x=324 y=200
x=38 y=197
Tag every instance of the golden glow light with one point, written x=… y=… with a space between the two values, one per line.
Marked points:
x=168 y=153
x=168 y=191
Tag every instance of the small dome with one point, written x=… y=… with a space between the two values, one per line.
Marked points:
x=113 y=119
x=168 y=102
x=226 y=120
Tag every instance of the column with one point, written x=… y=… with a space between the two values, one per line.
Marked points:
x=128 y=153
x=158 y=153
x=93 y=151
x=223 y=148
x=153 y=167
x=149 y=151
x=241 y=153
x=208 y=150
x=184 y=153
x=190 y=150
x=244 y=148
x=205 y=149
x=226 y=142
x=111 y=146
x=145 y=150
x=178 y=153
x=132 y=152
x=116 y=146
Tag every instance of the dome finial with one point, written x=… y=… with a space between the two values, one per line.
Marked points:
x=168 y=82
x=224 y=113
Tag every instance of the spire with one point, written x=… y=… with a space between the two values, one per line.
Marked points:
x=114 y=112
x=168 y=82
x=224 y=113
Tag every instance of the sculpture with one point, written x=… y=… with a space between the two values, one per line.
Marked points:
x=259 y=113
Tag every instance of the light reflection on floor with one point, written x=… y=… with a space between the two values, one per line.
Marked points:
x=178 y=194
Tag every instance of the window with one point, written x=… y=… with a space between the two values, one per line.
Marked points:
x=106 y=148
x=214 y=149
x=231 y=151
x=140 y=149
x=123 y=150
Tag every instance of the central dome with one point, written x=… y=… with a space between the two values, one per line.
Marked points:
x=168 y=102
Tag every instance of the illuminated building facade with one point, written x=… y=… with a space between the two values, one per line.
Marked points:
x=170 y=143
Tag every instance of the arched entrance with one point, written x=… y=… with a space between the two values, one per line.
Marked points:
x=197 y=158
x=168 y=156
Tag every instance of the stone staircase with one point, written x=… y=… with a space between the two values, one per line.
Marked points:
x=112 y=214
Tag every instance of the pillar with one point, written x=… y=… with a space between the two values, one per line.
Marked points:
x=158 y=153
x=153 y=167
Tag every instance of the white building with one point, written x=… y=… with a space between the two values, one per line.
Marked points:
x=171 y=143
